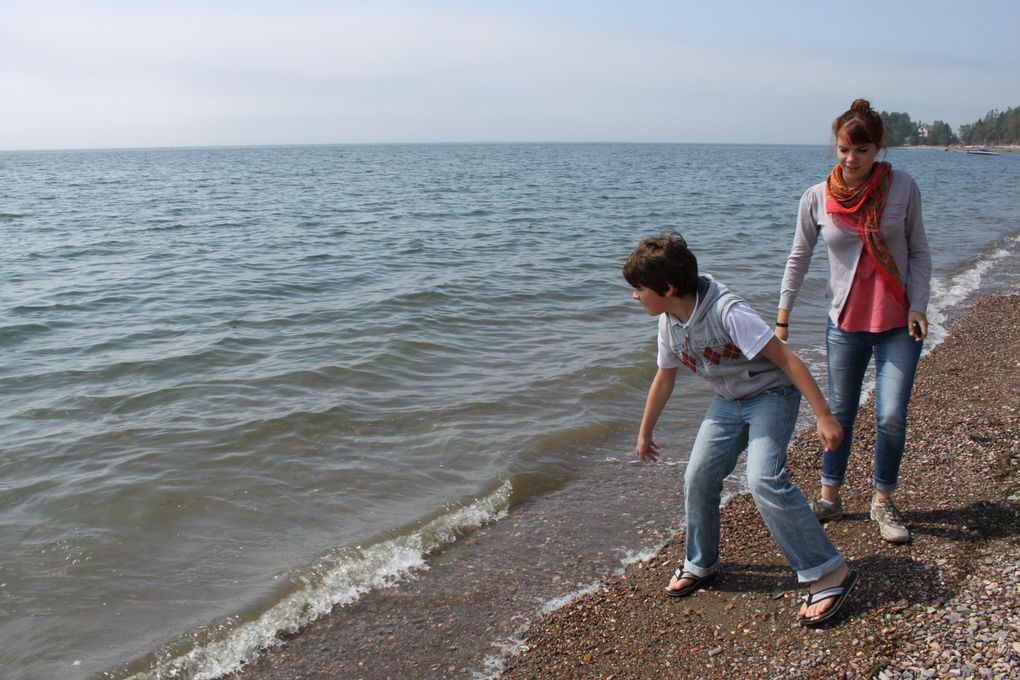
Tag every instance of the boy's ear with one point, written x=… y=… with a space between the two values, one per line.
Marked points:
x=670 y=290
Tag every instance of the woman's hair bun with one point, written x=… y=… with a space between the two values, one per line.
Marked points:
x=861 y=124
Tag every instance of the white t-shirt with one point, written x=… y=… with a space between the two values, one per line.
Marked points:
x=743 y=324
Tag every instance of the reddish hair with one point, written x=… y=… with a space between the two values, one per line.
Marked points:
x=861 y=124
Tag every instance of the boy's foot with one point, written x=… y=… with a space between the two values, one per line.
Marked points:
x=827 y=595
x=890 y=522
x=828 y=511
x=684 y=583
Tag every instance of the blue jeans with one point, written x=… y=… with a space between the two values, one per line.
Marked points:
x=896 y=356
x=763 y=424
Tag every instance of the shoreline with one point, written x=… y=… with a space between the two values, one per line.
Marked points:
x=962 y=148
x=474 y=618
x=945 y=605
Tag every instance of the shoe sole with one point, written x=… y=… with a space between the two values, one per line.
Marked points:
x=849 y=583
x=691 y=588
x=829 y=518
x=827 y=515
x=887 y=539
x=897 y=540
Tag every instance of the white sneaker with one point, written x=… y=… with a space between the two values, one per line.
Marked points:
x=890 y=522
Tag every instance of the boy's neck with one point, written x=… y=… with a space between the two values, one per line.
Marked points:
x=683 y=307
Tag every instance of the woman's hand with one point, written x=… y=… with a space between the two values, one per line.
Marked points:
x=783 y=324
x=917 y=325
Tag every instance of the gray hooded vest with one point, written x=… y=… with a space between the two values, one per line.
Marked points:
x=708 y=350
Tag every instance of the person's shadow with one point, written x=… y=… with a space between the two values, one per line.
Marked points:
x=895 y=578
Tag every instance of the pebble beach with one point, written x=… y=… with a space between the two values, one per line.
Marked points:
x=945 y=605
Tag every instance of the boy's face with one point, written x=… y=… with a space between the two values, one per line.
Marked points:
x=653 y=303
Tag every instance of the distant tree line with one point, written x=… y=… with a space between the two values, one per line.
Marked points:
x=999 y=128
x=900 y=130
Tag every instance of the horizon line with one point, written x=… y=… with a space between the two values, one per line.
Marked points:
x=406 y=143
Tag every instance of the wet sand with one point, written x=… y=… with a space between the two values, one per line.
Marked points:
x=922 y=608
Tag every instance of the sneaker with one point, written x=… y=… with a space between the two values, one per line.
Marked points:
x=828 y=511
x=890 y=522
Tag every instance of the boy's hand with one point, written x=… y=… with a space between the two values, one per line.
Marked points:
x=830 y=432
x=647 y=449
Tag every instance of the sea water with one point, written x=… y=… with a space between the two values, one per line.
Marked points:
x=242 y=386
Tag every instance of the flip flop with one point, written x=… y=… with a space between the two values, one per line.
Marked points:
x=837 y=593
x=695 y=583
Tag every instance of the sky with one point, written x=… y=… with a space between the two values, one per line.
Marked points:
x=117 y=74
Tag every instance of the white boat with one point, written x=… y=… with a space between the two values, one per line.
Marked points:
x=983 y=151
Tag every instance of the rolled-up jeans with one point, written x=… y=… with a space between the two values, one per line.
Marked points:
x=896 y=355
x=763 y=424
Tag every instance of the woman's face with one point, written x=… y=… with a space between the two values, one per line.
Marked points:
x=855 y=160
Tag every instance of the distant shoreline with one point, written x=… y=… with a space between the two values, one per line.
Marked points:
x=961 y=148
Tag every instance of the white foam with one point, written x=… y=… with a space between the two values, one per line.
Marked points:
x=339 y=578
x=513 y=644
x=631 y=557
x=946 y=293
x=949 y=292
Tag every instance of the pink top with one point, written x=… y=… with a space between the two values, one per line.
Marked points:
x=870 y=306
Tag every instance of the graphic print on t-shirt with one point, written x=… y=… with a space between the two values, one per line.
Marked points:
x=713 y=350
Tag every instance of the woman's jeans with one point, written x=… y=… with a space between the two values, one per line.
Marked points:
x=763 y=425
x=896 y=356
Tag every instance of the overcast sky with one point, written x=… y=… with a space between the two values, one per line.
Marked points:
x=106 y=74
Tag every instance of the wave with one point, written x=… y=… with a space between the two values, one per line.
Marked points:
x=950 y=292
x=947 y=293
x=337 y=579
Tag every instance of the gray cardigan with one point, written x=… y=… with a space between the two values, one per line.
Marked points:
x=903 y=231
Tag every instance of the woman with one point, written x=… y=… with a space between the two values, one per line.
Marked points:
x=879 y=274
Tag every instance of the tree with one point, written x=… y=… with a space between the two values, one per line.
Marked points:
x=997 y=127
x=899 y=129
x=940 y=134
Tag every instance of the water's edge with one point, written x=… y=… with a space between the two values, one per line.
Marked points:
x=536 y=550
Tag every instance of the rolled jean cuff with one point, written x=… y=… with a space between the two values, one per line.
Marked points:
x=815 y=573
x=699 y=571
x=832 y=481
x=887 y=488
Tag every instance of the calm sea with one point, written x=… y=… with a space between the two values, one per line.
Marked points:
x=241 y=386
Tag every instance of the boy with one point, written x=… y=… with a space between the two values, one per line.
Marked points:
x=758 y=382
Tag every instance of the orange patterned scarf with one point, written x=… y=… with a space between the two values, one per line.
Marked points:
x=862 y=207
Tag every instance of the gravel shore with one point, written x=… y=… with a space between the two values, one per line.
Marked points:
x=946 y=605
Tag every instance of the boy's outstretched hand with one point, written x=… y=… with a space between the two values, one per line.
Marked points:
x=647 y=449
x=830 y=432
